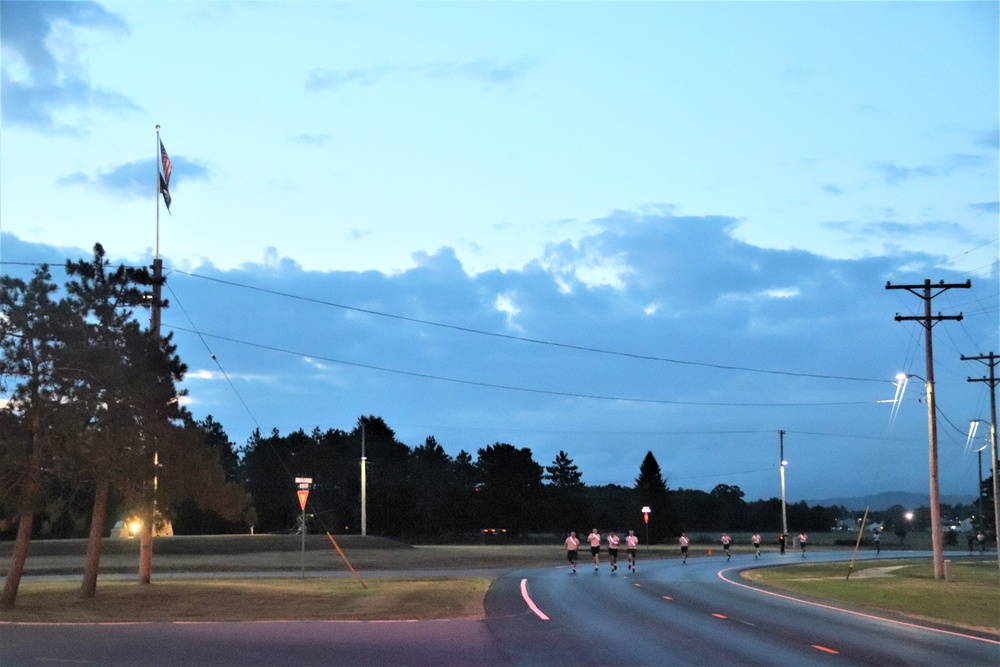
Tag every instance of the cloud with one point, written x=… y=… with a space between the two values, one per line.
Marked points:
x=40 y=77
x=320 y=79
x=313 y=140
x=989 y=139
x=987 y=207
x=488 y=72
x=900 y=230
x=134 y=179
x=894 y=174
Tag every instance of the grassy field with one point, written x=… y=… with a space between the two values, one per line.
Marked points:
x=971 y=599
x=252 y=599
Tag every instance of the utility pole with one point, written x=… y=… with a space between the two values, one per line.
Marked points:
x=927 y=292
x=992 y=382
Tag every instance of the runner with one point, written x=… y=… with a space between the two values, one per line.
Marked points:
x=684 y=548
x=756 y=544
x=595 y=547
x=877 y=537
x=571 y=550
x=631 y=545
x=802 y=543
x=725 y=545
x=613 y=541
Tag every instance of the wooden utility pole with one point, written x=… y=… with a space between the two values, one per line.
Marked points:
x=992 y=382
x=927 y=292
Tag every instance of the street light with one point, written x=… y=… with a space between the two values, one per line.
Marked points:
x=784 y=513
x=937 y=539
x=979 y=487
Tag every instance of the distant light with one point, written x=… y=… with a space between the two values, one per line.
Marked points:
x=784 y=463
x=135 y=526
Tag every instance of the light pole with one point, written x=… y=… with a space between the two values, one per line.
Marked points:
x=937 y=540
x=784 y=513
x=979 y=487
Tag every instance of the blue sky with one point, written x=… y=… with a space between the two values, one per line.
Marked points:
x=643 y=226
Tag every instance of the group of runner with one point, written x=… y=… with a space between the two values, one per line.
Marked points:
x=631 y=545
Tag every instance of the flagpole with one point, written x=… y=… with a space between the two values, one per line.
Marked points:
x=157 y=163
x=146 y=533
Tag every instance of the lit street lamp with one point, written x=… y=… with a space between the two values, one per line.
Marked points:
x=784 y=513
x=979 y=487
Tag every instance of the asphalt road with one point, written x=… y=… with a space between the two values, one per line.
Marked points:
x=666 y=614
x=669 y=613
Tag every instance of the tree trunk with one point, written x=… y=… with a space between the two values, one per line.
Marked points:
x=17 y=561
x=23 y=540
x=89 y=587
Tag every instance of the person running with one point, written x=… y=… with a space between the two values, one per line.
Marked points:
x=631 y=545
x=684 y=548
x=595 y=547
x=572 y=543
x=613 y=541
x=982 y=541
x=725 y=545
x=756 y=544
x=802 y=543
x=877 y=537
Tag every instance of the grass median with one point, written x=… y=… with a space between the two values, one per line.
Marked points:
x=971 y=599
x=252 y=599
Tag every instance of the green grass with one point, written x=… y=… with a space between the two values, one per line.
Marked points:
x=971 y=599
x=252 y=599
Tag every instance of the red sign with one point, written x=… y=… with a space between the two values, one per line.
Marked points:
x=303 y=496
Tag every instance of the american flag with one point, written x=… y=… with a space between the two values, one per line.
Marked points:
x=165 y=175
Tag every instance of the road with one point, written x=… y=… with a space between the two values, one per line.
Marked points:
x=700 y=613
x=667 y=613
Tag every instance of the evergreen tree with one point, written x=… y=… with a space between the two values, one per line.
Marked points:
x=31 y=345
x=652 y=492
x=125 y=386
x=565 y=491
x=510 y=488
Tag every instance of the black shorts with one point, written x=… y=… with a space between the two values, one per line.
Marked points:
x=631 y=553
x=595 y=550
x=613 y=552
x=571 y=555
x=684 y=549
x=726 y=547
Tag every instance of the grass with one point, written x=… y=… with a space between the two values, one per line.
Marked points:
x=907 y=586
x=252 y=599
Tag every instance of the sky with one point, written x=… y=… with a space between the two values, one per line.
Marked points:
x=598 y=228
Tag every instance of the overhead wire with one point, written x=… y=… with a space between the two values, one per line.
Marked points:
x=524 y=339
x=492 y=385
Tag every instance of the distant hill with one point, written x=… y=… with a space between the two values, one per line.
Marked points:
x=886 y=499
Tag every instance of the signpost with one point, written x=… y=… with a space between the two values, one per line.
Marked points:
x=645 y=518
x=304 y=484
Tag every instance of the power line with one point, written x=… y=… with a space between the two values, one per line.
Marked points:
x=523 y=339
x=490 y=385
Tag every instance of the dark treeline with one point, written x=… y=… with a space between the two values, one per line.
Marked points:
x=425 y=494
